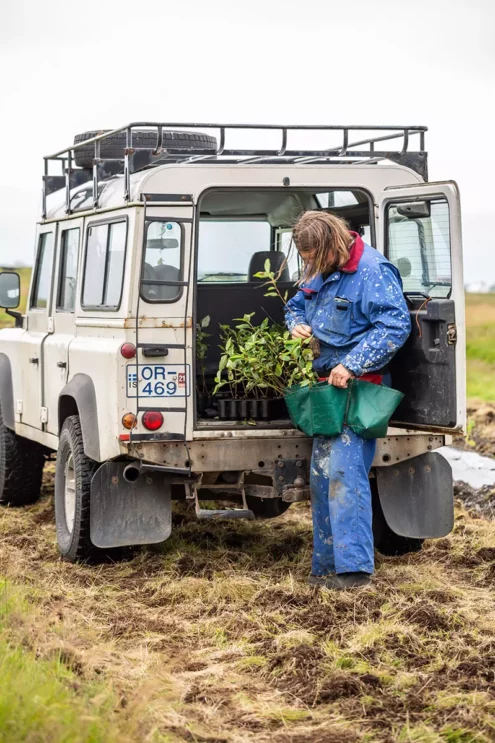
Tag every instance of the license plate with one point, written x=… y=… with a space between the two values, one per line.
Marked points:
x=158 y=380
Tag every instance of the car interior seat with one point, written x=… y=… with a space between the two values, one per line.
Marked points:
x=164 y=272
x=278 y=264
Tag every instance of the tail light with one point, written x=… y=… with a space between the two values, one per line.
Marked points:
x=128 y=350
x=152 y=420
x=129 y=420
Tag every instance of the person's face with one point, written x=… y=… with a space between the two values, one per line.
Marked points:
x=307 y=256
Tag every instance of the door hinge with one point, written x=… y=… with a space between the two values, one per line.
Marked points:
x=451 y=334
x=18 y=407
x=50 y=325
x=44 y=415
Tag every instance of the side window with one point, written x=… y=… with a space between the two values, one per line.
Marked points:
x=42 y=281
x=419 y=245
x=104 y=266
x=66 y=299
x=162 y=262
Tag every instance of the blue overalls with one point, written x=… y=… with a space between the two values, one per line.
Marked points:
x=361 y=319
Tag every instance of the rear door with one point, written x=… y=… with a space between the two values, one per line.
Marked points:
x=161 y=380
x=421 y=235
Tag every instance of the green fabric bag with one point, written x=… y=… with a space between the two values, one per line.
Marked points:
x=328 y=406
x=298 y=401
x=370 y=407
x=322 y=409
x=318 y=410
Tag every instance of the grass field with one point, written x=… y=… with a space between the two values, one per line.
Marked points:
x=215 y=637
x=480 y=346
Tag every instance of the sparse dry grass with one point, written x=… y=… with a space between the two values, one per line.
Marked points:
x=214 y=636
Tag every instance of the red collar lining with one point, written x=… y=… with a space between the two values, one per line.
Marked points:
x=355 y=254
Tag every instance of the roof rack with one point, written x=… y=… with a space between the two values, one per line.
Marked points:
x=360 y=151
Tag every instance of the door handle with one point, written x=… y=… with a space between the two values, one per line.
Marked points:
x=62 y=364
x=154 y=351
x=34 y=360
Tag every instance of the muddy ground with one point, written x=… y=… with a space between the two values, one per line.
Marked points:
x=480 y=438
x=215 y=636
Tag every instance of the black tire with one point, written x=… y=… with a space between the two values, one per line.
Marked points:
x=268 y=508
x=387 y=542
x=114 y=146
x=21 y=468
x=74 y=542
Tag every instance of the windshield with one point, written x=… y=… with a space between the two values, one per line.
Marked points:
x=226 y=249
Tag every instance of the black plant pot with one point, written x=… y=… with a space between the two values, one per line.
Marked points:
x=202 y=403
x=252 y=408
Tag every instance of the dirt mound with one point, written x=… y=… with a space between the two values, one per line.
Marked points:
x=480 y=501
x=481 y=428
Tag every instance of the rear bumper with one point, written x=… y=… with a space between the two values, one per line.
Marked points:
x=259 y=454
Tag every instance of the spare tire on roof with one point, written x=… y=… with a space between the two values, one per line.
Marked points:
x=113 y=147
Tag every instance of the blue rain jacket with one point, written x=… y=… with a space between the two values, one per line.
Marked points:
x=358 y=313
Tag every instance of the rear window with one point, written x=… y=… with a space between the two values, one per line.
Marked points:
x=162 y=272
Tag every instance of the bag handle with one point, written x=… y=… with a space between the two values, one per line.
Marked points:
x=348 y=401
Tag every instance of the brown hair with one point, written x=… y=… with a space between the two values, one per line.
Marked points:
x=323 y=240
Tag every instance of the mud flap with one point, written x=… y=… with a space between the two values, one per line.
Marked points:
x=129 y=513
x=417 y=496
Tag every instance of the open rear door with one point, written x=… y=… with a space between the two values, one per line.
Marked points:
x=421 y=235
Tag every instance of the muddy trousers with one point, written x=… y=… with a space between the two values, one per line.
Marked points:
x=341 y=504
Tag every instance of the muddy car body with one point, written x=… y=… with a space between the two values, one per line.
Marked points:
x=132 y=253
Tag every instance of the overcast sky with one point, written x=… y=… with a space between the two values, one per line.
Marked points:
x=67 y=67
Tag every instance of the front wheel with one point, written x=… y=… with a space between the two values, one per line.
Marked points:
x=72 y=493
x=21 y=468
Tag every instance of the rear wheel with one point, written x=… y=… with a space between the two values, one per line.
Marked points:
x=21 y=468
x=387 y=542
x=72 y=493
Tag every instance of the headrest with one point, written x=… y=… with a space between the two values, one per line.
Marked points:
x=277 y=260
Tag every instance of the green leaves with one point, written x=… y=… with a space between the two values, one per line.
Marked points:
x=262 y=359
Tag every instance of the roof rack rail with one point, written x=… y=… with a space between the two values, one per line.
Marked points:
x=347 y=151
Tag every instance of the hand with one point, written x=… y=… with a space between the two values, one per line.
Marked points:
x=302 y=331
x=339 y=376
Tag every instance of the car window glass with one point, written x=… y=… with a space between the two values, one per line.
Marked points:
x=115 y=264
x=68 y=270
x=104 y=268
x=41 y=289
x=162 y=264
x=288 y=248
x=419 y=246
x=226 y=248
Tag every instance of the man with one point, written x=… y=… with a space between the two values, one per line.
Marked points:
x=351 y=300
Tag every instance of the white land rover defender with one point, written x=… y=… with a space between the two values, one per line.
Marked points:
x=151 y=228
